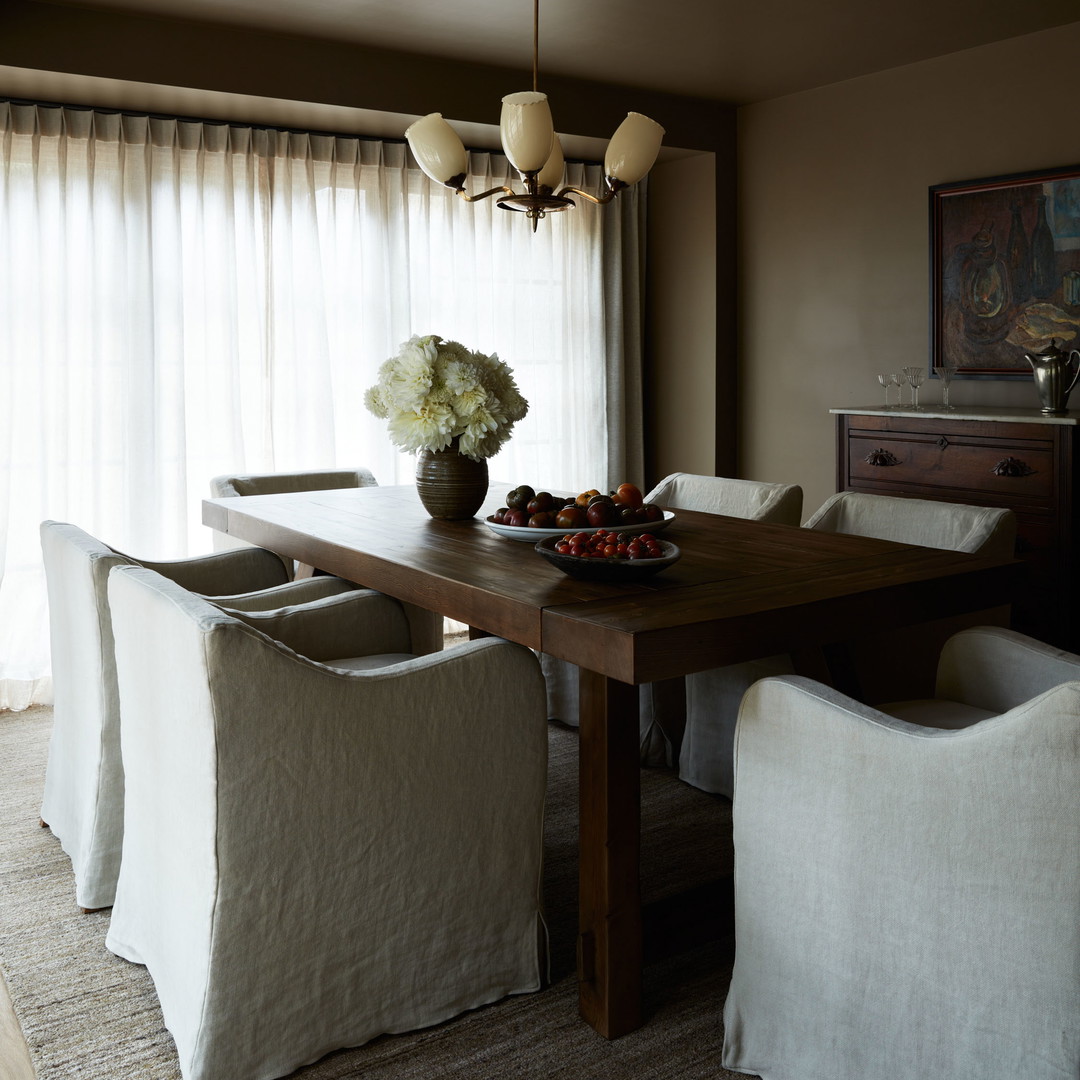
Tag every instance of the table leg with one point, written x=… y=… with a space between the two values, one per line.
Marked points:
x=609 y=919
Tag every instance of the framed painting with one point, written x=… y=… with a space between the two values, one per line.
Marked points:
x=1005 y=271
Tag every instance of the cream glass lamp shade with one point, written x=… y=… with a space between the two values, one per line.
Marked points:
x=633 y=149
x=527 y=130
x=552 y=173
x=438 y=150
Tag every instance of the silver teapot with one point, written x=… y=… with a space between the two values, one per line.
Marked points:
x=1052 y=370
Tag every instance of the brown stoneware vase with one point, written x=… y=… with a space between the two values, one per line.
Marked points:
x=451 y=486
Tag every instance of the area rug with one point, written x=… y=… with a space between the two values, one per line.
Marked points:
x=85 y=1013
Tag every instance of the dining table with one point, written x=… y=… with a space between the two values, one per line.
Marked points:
x=741 y=590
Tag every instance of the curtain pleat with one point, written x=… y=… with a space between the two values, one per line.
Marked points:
x=182 y=299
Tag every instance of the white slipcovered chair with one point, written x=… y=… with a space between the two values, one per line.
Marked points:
x=923 y=522
x=234 y=485
x=83 y=802
x=713 y=697
x=907 y=898
x=662 y=705
x=315 y=852
x=428 y=628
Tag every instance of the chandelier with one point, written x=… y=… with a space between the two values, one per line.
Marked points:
x=533 y=149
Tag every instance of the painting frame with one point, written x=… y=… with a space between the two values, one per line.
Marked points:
x=1004 y=271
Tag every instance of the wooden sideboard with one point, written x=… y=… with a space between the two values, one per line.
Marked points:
x=1016 y=458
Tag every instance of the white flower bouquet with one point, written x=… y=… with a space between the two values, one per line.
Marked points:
x=435 y=391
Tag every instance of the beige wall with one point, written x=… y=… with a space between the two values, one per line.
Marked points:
x=680 y=393
x=833 y=249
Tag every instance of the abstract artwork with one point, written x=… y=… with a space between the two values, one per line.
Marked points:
x=1005 y=270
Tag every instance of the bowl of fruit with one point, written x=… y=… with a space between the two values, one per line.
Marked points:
x=536 y=515
x=605 y=555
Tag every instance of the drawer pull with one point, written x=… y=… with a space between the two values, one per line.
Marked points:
x=942 y=443
x=1011 y=466
x=881 y=457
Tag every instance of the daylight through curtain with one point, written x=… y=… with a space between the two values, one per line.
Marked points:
x=182 y=299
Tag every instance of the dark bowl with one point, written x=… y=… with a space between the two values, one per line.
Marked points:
x=611 y=570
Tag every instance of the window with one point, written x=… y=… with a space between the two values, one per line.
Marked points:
x=182 y=299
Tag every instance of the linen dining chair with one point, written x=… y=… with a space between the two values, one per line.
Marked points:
x=351 y=865
x=713 y=696
x=236 y=485
x=428 y=628
x=83 y=802
x=906 y=895
x=662 y=705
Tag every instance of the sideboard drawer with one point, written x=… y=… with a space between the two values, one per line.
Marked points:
x=945 y=463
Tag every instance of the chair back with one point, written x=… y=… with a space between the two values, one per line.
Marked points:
x=750 y=499
x=996 y=669
x=922 y=522
x=86 y=710
x=223 y=487
x=923 y=870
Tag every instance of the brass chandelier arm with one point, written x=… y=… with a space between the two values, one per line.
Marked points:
x=599 y=200
x=484 y=194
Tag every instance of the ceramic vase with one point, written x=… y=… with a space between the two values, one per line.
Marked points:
x=451 y=486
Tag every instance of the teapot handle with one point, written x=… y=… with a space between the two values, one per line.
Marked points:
x=1076 y=373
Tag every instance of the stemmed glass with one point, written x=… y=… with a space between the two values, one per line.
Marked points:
x=896 y=380
x=886 y=382
x=945 y=372
x=916 y=376
x=901 y=382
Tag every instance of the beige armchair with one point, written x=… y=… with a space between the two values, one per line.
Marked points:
x=713 y=697
x=662 y=706
x=428 y=628
x=235 y=485
x=360 y=844
x=907 y=897
x=83 y=802
x=222 y=487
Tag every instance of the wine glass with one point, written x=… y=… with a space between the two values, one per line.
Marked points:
x=885 y=381
x=901 y=382
x=916 y=376
x=945 y=372
x=896 y=380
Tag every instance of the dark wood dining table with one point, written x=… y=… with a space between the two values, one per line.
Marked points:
x=741 y=590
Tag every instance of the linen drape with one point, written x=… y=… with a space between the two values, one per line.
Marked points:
x=182 y=299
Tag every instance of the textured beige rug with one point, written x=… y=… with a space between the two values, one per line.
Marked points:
x=88 y=1014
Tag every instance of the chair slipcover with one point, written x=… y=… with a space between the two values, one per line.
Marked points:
x=83 y=802
x=907 y=899
x=923 y=522
x=427 y=626
x=315 y=855
x=713 y=697
x=985 y=671
x=222 y=487
x=662 y=705
x=234 y=485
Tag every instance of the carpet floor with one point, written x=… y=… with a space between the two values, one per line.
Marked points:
x=85 y=1013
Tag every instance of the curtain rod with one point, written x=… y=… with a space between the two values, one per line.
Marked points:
x=196 y=119
x=242 y=123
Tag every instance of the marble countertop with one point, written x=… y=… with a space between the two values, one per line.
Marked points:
x=965 y=412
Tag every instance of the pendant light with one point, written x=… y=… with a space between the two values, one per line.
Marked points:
x=533 y=149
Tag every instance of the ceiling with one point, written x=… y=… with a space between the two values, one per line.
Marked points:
x=736 y=52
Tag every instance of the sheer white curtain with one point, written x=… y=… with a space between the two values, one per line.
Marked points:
x=180 y=299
